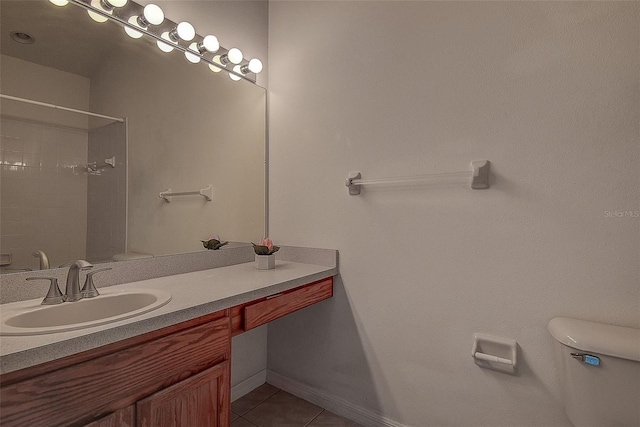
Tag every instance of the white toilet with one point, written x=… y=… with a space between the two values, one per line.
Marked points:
x=599 y=368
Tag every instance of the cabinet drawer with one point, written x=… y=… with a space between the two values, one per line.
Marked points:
x=282 y=304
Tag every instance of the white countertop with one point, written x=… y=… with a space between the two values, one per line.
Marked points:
x=193 y=295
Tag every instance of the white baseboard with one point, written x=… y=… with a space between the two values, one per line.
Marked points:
x=335 y=404
x=248 y=385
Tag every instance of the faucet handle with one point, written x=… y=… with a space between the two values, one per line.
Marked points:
x=89 y=289
x=54 y=296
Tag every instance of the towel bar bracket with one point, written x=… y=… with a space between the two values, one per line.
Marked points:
x=354 y=189
x=480 y=175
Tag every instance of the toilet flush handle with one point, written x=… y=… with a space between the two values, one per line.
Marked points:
x=586 y=358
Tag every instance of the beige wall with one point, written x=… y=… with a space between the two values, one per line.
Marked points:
x=107 y=192
x=549 y=92
x=36 y=82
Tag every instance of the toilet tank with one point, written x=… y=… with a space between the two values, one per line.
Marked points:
x=599 y=369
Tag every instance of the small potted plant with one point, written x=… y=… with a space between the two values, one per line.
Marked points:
x=265 y=254
x=213 y=243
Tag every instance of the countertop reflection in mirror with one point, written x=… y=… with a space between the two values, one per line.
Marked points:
x=186 y=126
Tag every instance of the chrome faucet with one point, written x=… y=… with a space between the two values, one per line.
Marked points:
x=44 y=259
x=73 y=280
x=73 y=292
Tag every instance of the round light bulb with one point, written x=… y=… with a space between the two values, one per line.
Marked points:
x=233 y=76
x=235 y=55
x=96 y=16
x=165 y=47
x=186 y=31
x=153 y=14
x=213 y=68
x=60 y=2
x=117 y=3
x=211 y=43
x=191 y=57
x=255 y=65
x=130 y=31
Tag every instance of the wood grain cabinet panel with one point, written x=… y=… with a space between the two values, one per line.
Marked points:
x=197 y=401
x=237 y=319
x=83 y=392
x=125 y=417
x=280 y=305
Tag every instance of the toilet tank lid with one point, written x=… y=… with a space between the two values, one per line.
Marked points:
x=610 y=340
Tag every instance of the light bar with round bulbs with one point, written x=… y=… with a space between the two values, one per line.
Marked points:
x=150 y=21
x=151 y=15
x=107 y=6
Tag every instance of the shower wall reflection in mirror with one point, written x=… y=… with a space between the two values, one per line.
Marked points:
x=80 y=187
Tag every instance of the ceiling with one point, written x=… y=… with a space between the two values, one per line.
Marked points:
x=65 y=37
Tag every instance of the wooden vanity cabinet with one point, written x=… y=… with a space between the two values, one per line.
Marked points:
x=150 y=375
x=176 y=376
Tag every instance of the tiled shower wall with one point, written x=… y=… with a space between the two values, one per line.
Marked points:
x=107 y=195
x=43 y=192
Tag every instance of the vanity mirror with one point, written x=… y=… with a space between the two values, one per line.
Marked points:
x=82 y=187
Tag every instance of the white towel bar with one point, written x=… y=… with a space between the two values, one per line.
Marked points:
x=207 y=193
x=478 y=176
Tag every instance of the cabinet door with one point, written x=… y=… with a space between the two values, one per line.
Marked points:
x=121 y=418
x=199 y=401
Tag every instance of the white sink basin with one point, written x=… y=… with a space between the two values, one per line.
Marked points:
x=31 y=318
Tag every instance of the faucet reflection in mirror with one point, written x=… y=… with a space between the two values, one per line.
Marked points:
x=150 y=20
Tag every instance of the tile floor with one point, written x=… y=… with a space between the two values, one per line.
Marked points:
x=268 y=406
